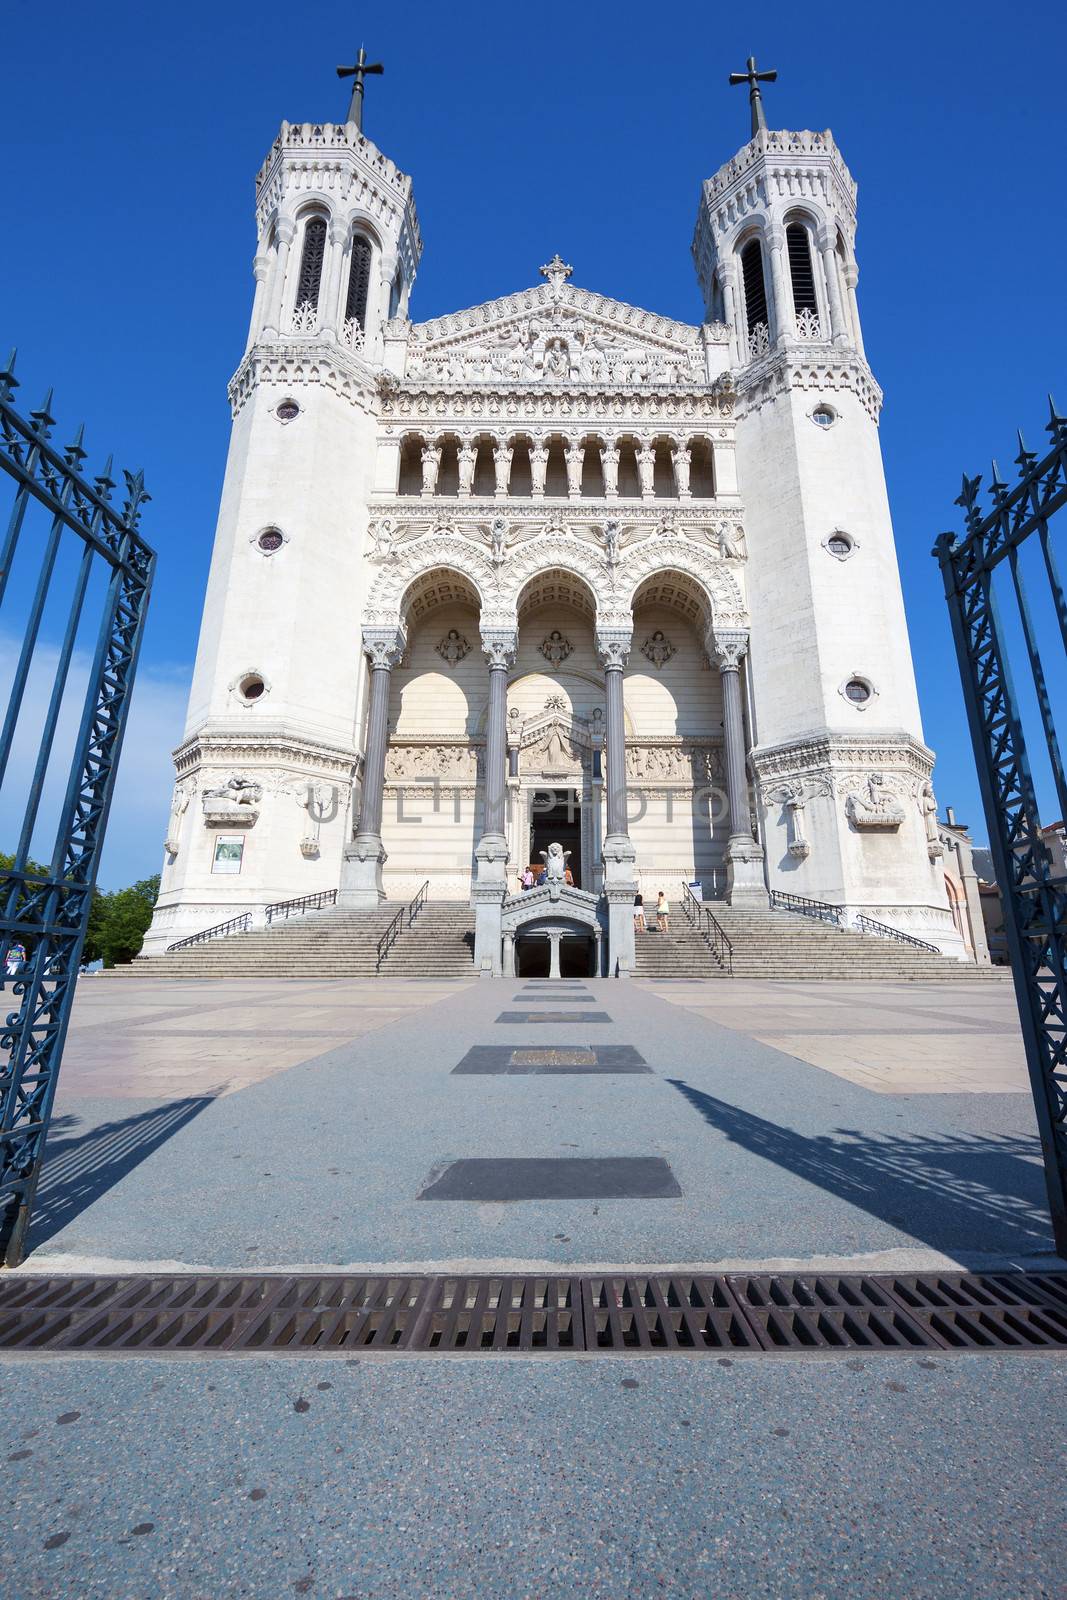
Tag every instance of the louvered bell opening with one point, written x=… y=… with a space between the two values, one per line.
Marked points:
x=754 y=285
x=798 y=246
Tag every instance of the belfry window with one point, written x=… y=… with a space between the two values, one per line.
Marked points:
x=798 y=248
x=358 y=281
x=307 y=288
x=756 y=317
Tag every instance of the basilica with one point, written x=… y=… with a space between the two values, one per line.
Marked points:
x=553 y=585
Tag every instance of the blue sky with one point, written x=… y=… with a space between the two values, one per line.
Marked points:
x=133 y=135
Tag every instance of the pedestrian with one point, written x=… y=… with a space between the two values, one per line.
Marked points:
x=16 y=958
x=639 y=913
x=527 y=879
x=663 y=911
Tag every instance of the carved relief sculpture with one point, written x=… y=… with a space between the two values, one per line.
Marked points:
x=453 y=647
x=658 y=648
x=233 y=804
x=555 y=648
x=877 y=808
x=928 y=806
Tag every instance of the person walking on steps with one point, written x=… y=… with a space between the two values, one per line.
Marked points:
x=663 y=911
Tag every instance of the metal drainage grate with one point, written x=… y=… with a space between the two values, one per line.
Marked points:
x=625 y=1313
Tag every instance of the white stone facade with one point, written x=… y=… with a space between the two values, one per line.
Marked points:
x=444 y=548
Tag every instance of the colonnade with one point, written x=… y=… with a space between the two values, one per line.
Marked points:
x=679 y=465
x=364 y=857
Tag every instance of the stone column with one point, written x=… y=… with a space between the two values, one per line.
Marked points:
x=852 y=273
x=284 y=234
x=554 y=936
x=744 y=857
x=261 y=272
x=509 y=955
x=738 y=338
x=491 y=855
x=781 y=285
x=364 y=857
x=332 y=319
x=838 y=330
x=619 y=854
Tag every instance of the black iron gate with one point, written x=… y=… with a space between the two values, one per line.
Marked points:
x=1033 y=886
x=44 y=909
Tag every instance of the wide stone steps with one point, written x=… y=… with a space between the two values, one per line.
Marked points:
x=783 y=945
x=330 y=944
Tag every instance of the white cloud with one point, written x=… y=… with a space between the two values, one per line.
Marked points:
x=133 y=846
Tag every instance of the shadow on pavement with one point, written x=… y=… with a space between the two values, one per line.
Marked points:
x=78 y=1169
x=981 y=1191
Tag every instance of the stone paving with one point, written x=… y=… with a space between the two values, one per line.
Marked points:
x=245 y=1125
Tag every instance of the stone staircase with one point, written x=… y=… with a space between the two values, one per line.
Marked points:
x=781 y=944
x=330 y=944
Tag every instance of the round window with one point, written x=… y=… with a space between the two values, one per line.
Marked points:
x=824 y=416
x=251 y=687
x=839 y=544
x=857 y=691
x=270 y=540
x=286 y=410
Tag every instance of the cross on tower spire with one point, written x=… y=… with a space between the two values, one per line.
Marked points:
x=755 y=99
x=357 y=73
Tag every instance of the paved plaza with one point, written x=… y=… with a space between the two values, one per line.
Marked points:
x=284 y=1125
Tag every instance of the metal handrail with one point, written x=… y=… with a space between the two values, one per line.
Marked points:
x=306 y=902
x=396 y=927
x=703 y=919
x=822 y=910
x=884 y=931
x=239 y=924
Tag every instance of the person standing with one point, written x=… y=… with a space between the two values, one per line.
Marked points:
x=639 y=913
x=663 y=912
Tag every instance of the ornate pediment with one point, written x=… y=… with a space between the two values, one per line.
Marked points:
x=556 y=334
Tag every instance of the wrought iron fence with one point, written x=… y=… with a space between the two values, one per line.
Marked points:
x=44 y=910
x=1034 y=893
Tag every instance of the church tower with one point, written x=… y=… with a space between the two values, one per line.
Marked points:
x=269 y=756
x=841 y=772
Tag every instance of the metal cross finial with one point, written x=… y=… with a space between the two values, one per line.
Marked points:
x=557 y=272
x=357 y=73
x=755 y=99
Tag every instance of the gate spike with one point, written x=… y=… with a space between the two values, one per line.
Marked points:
x=74 y=452
x=997 y=485
x=8 y=380
x=1025 y=456
x=1056 y=423
x=104 y=482
x=43 y=421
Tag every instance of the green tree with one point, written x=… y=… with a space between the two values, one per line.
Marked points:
x=124 y=919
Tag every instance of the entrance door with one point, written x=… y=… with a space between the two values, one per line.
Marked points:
x=556 y=818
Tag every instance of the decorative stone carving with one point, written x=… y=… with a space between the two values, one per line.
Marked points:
x=609 y=465
x=498 y=646
x=557 y=271
x=555 y=648
x=613 y=646
x=809 y=325
x=612 y=543
x=233 y=804
x=178 y=807
x=322 y=803
x=658 y=649
x=555 y=702
x=555 y=859
x=682 y=458
x=456 y=762
x=383 y=532
x=467 y=460
x=731 y=541
x=646 y=469
x=730 y=646
x=453 y=647
x=928 y=806
x=384 y=647
x=876 y=808
x=685 y=765
x=431 y=461
x=498 y=540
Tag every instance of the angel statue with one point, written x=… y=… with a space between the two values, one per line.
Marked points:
x=555 y=859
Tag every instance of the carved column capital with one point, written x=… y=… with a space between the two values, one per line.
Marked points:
x=284 y=230
x=384 y=647
x=613 y=646
x=729 y=646
x=774 y=234
x=499 y=646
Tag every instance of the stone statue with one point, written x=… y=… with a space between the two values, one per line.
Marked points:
x=612 y=542
x=646 y=469
x=928 y=807
x=431 y=460
x=730 y=538
x=878 y=808
x=555 y=859
x=609 y=462
x=384 y=536
x=498 y=539
x=682 y=458
x=240 y=791
x=466 y=458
